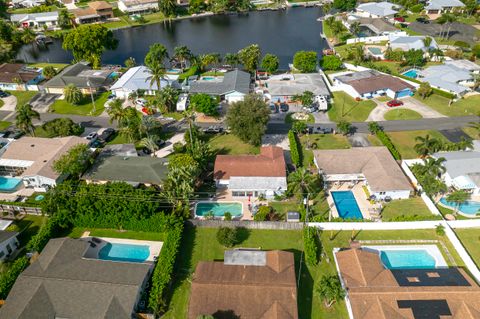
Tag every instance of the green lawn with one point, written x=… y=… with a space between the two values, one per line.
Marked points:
x=374 y=140
x=28 y=227
x=189 y=72
x=114 y=233
x=463 y=107
x=319 y=207
x=84 y=108
x=57 y=66
x=473 y=133
x=230 y=144
x=118 y=139
x=406 y=207
x=23 y=97
x=347 y=109
x=321 y=142
x=402 y=114
x=405 y=141
x=289 y=119
x=200 y=244
x=470 y=238
x=4 y=125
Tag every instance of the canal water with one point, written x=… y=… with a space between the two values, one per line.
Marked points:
x=279 y=32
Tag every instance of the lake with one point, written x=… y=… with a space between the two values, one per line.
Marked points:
x=279 y=32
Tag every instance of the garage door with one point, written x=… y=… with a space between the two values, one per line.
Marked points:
x=404 y=93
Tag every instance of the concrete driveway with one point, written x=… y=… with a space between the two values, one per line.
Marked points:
x=359 y=140
x=280 y=140
x=10 y=102
x=42 y=101
x=410 y=103
x=168 y=149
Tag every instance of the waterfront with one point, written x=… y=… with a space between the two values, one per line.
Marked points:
x=279 y=32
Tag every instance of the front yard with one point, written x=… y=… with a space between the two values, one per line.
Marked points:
x=230 y=144
x=405 y=141
x=4 y=125
x=23 y=97
x=402 y=114
x=84 y=108
x=463 y=107
x=321 y=142
x=347 y=109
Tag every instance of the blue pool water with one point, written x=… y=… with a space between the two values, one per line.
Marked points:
x=218 y=209
x=208 y=78
x=412 y=73
x=346 y=204
x=9 y=184
x=407 y=259
x=114 y=74
x=124 y=252
x=469 y=207
x=375 y=51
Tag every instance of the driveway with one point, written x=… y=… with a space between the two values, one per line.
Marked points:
x=280 y=140
x=359 y=140
x=410 y=103
x=321 y=117
x=10 y=102
x=168 y=149
x=458 y=31
x=42 y=101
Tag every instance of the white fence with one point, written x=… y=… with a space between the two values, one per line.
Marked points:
x=375 y=39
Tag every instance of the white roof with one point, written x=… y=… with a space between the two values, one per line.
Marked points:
x=464 y=65
x=446 y=76
x=463 y=182
x=380 y=9
x=406 y=43
x=440 y=4
x=138 y=78
x=40 y=17
x=257 y=183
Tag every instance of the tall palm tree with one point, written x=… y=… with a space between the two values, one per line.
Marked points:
x=182 y=54
x=116 y=111
x=150 y=142
x=434 y=166
x=148 y=124
x=231 y=59
x=157 y=71
x=304 y=182
x=24 y=119
x=168 y=97
x=355 y=28
x=426 y=145
x=189 y=116
x=458 y=198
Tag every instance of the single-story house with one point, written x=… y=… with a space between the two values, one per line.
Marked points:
x=8 y=243
x=373 y=165
x=31 y=159
x=374 y=291
x=449 y=78
x=370 y=27
x=377 y=9
x=406 y=43
x=247 y=284
x=253 y=175
x=19 y=77
x=134 y=170
x=83 y=77
x=232 y=87
x=371 y=83
x=63 y=283
x=462 y=169
x=283 y=87
x=137 y=6
x=435 y=8
x=465 y=65
x=26 y=3
x=95 y=12
x=138 y=79
x=36 y=20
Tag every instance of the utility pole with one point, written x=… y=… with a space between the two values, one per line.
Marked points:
x=91 y=95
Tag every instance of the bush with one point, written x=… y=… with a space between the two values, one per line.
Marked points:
x=462 y=44
x=440 y=230
x=295 y=151
x=265 y=213
x=447 y=95
x=331 y=62
x=305 y=61
x=204 y=103
x=178 y=147
x=227 y=236
x=417 y=8
x=385 y=139
x=227 y=216
x=310 y=245
x=40 y=239
x=62 y=127
x=7 y=279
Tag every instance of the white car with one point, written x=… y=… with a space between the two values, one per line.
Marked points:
x=92 y=136
x=141 y=102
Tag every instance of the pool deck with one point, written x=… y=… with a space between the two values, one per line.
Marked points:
x=431 y=249
x=225 y=195
x=366 y=208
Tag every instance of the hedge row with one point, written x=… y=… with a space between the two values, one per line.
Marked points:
x=158 y=222
x=295 y=151
x=7 y=279
x=385 y=139
x=162 y=274
x=40 y=239
x=310 y=246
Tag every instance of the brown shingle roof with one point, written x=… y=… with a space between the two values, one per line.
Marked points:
x=99 y=5
x=248 y=291
x=270 y=163
x=11 y=71
x=375 y=163
x=378 y=81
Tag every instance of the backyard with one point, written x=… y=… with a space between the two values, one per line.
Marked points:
x=463 y=107
x=405 y=208
x=85 y=107
x=115 y=233
x=405 y=141
x=347 y=109
x=471 y=241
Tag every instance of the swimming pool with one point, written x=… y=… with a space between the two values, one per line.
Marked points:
x=124 y=252
x=9 y=184
x=208 y=78
x=218 y=208
x=346 y=204
x=469 y=207
x=412 y=73
x=375 y=51
x=410 y=257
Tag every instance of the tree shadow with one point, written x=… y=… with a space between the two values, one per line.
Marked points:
x=242 y=234
x=225 y=314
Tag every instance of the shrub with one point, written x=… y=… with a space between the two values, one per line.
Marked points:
x=295 y=151
x=416 y=8
x=62 y=127
x=7 y=279
x=178 y=147
x=204 y=103
x=227 y=236
x=462 y=44
x=227 y=216
x=310 y=246
x=385 y=139
x=264 y=213
x=305 y=61
x=331 y=62
x=299 y=126
x=440 y=230
x=40 y=239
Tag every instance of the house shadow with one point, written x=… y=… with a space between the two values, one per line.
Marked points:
x=305 y=285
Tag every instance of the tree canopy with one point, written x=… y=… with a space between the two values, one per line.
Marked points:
x=305 y=61
x=249 y=57
x=270 y=63
x=75 y=161
x=331 y=62
x=156 y=54
x=204 y=103
x=344 y=5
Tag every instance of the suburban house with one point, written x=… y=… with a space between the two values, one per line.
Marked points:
x=371 y=27
x=8 y=243
x=65 y=283
x=232 y=87
x=406 y=43
x=373 y=166
x=373 y=291
x=19 y=77
x=462 y=169
x=371 y=83
x=253 y=175
x=465 y=65
x=26 y=3
x=137 y=6
x=36 y=20
x=281 y=88
x=31 y=159
x=138 y=79
x=377 y=9
x=247 y=284
x=435 y=8
x=95 y=12
x=83 y=77
x=448 y=77
x=134 y=170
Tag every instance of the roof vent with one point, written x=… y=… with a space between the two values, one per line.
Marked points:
x=32 y=145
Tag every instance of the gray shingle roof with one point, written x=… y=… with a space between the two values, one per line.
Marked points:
x=79 y=74
x=232 y=81
x=446 y=77
x=298 y=84
x=6 y=235
x=42 y=16
x=62 y=284
x=461 y=163
x=406 y=43
x=439 y=4
x=380 y=9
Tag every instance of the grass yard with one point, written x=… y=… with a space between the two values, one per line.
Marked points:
x=84 y=108
x=321 y=142
x=114 y=233
x=405 y=141
x=374 y=141
x=402 y=114
x=23 y=97
x=470 y=238
x=57 y=66
x=201 y=244
x=4 y=125
x=407 y=207
x=473 y=133
x=319 y=207
x=230 y=144
x=347 y=109
x=463 y=107
x=290 y=119
x=118 y=139
x=29 y=226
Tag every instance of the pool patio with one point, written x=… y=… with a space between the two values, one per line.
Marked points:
x=368 y=210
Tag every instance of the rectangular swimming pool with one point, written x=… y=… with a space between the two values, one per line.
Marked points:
x=346 y=204
x=219 y=208
x=124 y=252
x=412 y=73
x=9 y=184
x=410 y=257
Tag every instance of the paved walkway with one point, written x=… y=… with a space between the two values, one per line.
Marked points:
x=167 y=150
x=378 y=113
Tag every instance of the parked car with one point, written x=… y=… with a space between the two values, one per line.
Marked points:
x=111 y=97
x=422 y=20
x=141 y=102
x=96 y=144
x=213 y=129
x=273 y=108
x=394 y=103
x=4 y=94
x=92 y=137
x=107 y=134
x=399 y=19
x=161 y=143
x=284 y=107
x=15 y=134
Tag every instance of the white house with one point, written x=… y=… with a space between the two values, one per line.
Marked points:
x=8 y=243
x=448 y=77
x=377 y=9
x=374 y=166
x=36 y=20
x=32 y=158
x=435 y=8
x=138 y=79
x=283 y=87
x=137 y=6
x=253 y=175
x=406 y=43
x=26 y=3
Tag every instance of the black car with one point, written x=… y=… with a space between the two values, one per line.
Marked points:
x=284 y=107
x=422 y=20
x=3 y=94
x=107 y=134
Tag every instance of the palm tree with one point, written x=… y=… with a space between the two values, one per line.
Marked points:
x=168 y=97
x=326 y=7
x=465 y=143
x=157 y=70
x=189 y=116
x=231 y=59
x=330 y=289
x=28 y=36
x=426 y=145
x=355 y=28
x=150 y=142
x=427 y=41
x=434 y=166
x=24 y=119
x=182 y=54
x=458 y=198
x=116 y=111
x=72 y=94
x=303 y=181
x=148 y=124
